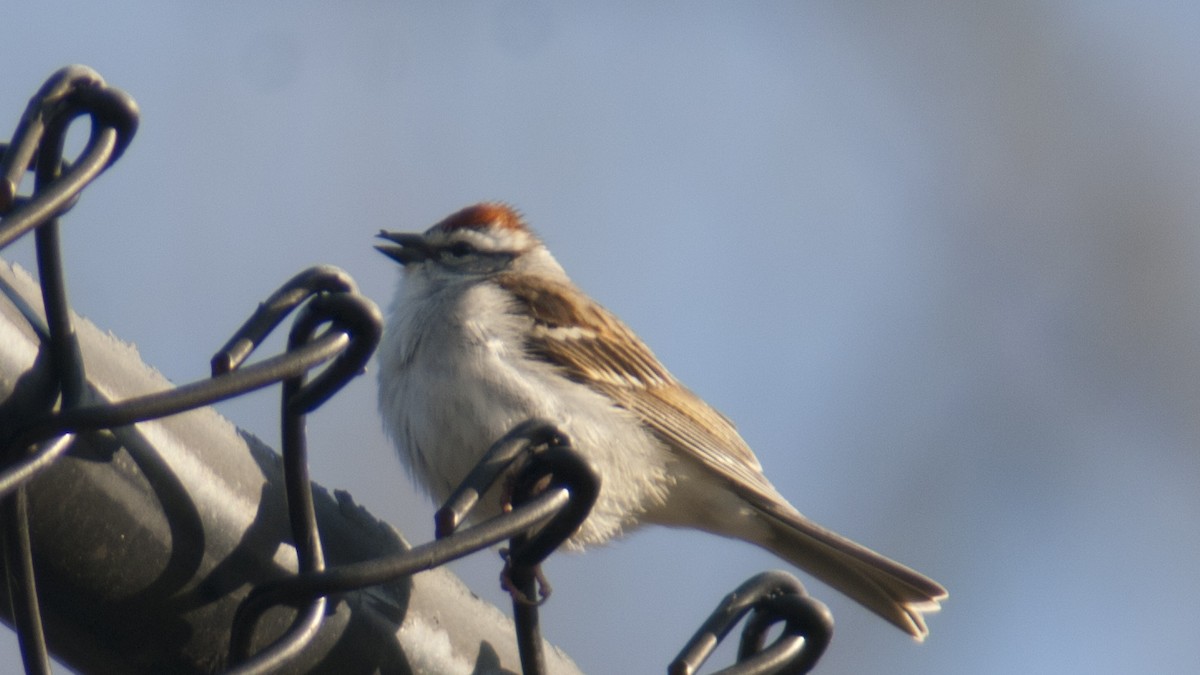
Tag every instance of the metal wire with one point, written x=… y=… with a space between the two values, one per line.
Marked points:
x=22 y=587
x=335 y=332
x=767 y=598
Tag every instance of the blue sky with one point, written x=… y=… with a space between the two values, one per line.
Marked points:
x=937 y=261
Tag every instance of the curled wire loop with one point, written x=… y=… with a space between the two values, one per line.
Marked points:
x=314 y=280
x=767 y=598
x=37 y=144
x=555 y=512
x=345 y=312
x=556 y=467
x=498 y=460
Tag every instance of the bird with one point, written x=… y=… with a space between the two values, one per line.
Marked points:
x=486 y=330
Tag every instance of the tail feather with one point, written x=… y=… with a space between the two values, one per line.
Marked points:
x=894 y=592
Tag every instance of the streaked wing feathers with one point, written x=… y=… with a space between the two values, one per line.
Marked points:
x=593 y=347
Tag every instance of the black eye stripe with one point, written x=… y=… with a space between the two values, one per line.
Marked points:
x=465 y=257
x=460 y=248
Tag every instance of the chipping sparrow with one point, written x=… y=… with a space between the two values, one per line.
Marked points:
x=487 y=330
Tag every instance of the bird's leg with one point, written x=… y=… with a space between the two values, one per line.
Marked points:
x=526 y=585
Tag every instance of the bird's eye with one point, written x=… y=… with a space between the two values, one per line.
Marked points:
x=460 y=248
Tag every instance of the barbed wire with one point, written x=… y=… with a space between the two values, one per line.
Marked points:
x=333 y=334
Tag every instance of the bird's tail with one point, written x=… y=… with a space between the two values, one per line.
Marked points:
x=896 y=593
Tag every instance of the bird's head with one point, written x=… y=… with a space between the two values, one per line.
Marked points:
x=479 y=241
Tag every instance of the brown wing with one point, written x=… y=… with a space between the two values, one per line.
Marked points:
x=593 y=347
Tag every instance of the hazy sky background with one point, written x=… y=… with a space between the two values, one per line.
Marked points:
x=939 y=261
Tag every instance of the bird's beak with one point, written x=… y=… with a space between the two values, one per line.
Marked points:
x=409 y=247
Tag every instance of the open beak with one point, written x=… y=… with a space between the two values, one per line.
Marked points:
x=406 y=247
